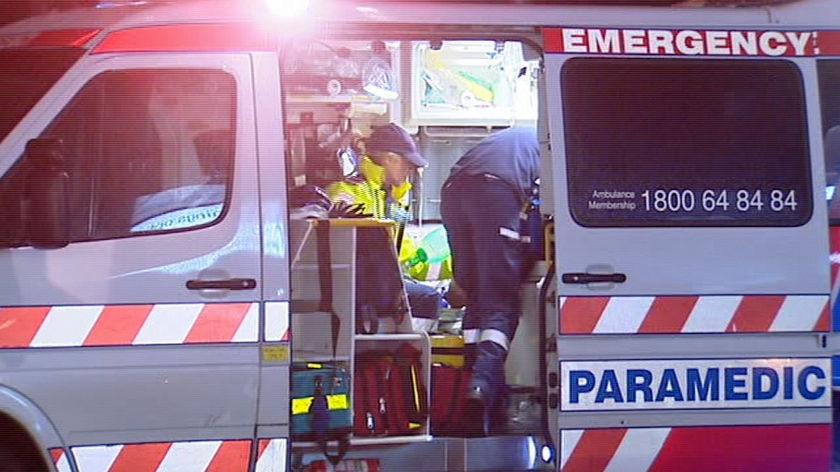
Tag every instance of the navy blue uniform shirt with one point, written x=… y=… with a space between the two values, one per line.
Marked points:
x=512 y=154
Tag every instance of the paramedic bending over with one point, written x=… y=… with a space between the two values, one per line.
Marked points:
x=382 y=186
x=480 y=206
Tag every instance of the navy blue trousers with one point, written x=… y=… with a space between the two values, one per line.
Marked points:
x=481 y=217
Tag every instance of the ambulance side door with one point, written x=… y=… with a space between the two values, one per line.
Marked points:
x=686 y=176
x=155 y=300
x=690 y=226
x=156 y=198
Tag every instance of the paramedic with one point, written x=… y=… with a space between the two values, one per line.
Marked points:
x=382 y=186
x=481 y=202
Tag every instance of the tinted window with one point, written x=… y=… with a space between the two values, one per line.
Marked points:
x=146 y=151
x=686 y=142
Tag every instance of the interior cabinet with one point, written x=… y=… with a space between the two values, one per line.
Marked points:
x=312 y=339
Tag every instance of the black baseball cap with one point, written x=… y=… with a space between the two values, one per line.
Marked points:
x=393 y=138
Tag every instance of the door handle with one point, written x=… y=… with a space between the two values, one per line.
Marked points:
x=225 y=284
x=587 y=278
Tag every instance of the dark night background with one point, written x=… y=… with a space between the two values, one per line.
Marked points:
x=13 y=10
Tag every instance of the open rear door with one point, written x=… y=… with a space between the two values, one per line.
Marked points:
x=691 y=249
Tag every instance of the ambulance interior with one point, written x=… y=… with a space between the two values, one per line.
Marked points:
x=448 y=95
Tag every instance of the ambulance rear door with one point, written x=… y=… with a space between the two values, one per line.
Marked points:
x=691 y=249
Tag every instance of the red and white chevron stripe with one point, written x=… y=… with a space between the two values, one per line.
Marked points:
x=697 y=449
x=60 y=460
x=834 y=259
x=277 y=321
x=208 y=456
x=693 y=314
x=107 y=325
x=196 y=456
x=163 y=457
x=271 y=455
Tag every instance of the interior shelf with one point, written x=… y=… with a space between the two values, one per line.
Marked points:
x=391 y=337
x=312 y=335
x=385 y=440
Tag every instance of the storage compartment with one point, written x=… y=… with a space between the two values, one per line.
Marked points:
x=407 y=355
x=313 y=327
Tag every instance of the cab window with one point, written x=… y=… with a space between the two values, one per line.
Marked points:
x=146 y=151
x=696 y=142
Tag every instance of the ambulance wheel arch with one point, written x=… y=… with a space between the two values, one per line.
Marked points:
x=24 y=448
x=18 y=452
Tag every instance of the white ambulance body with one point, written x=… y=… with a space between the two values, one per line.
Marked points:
x=150 y=267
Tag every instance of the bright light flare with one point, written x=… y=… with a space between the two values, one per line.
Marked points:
x=288 y=8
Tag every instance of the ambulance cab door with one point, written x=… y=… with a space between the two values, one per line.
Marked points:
x=155 y=299
x=159 y=151
x=691 y=239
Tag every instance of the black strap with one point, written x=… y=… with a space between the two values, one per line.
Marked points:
x=399 y=236
x=322 y=229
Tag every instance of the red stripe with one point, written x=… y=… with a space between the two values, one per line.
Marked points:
x=19 y=325
x=667 y=314
x=553 y=40
x=186 y=37
x=118 y=324
x=594 y=450
x=56 y=454
x=755 y=314
x=824 y=321
x=581 y=40
x=68 y=37
x=231 y=456
x=579 y=315
x=829 y=43
x=140 y=457
x=262 y=445
x=834 y=244
x=217 y=322
x=764 y=448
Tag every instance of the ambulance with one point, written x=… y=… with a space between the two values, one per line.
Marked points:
x=154 y=276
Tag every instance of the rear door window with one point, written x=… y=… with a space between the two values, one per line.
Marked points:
x=725 y=145
x=685 y=175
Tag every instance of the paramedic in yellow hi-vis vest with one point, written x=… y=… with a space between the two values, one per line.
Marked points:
x=481 y=203
x=389 y=158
